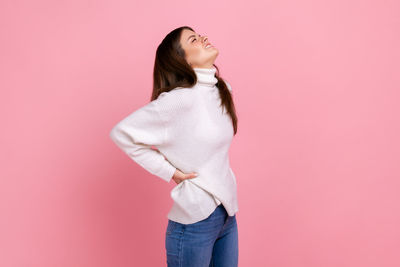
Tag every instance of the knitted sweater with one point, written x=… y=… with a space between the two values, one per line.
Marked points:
x=191 y=132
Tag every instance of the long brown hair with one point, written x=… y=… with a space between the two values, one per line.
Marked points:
x=171 y=70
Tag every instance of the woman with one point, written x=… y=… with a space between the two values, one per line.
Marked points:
x=191 y=121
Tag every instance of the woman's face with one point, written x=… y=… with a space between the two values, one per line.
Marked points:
x=198 y=54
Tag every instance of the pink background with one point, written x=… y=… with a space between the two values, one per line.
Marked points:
x=316 y=86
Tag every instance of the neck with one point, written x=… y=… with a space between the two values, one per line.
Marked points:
x=206 y=76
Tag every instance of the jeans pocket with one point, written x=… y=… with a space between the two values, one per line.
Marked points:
x=170 y=227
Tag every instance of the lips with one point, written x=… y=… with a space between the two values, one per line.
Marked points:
x=208 y=43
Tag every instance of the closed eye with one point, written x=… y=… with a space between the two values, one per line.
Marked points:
x=194 y=38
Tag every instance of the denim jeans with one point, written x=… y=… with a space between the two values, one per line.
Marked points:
x=209 y=242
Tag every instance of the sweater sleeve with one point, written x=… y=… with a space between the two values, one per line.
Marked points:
x=135 y=135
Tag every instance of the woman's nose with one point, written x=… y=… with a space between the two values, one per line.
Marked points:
x=205 y=38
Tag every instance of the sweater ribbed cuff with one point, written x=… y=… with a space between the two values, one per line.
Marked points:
x=167 y=172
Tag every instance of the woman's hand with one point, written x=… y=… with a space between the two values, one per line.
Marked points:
x=180 y=176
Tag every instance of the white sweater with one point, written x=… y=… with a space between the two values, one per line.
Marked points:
x=192 y=133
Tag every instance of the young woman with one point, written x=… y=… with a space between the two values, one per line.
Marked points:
x=191 y=121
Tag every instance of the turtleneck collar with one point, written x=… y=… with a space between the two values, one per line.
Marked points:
x=206 y=76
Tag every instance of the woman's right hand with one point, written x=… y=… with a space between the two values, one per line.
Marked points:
x=180 y=176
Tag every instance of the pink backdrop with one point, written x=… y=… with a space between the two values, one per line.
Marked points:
x=316 y=85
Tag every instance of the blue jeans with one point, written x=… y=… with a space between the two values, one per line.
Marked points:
x=209 y=242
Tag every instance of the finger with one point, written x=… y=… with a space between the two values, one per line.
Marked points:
x=192 y=175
